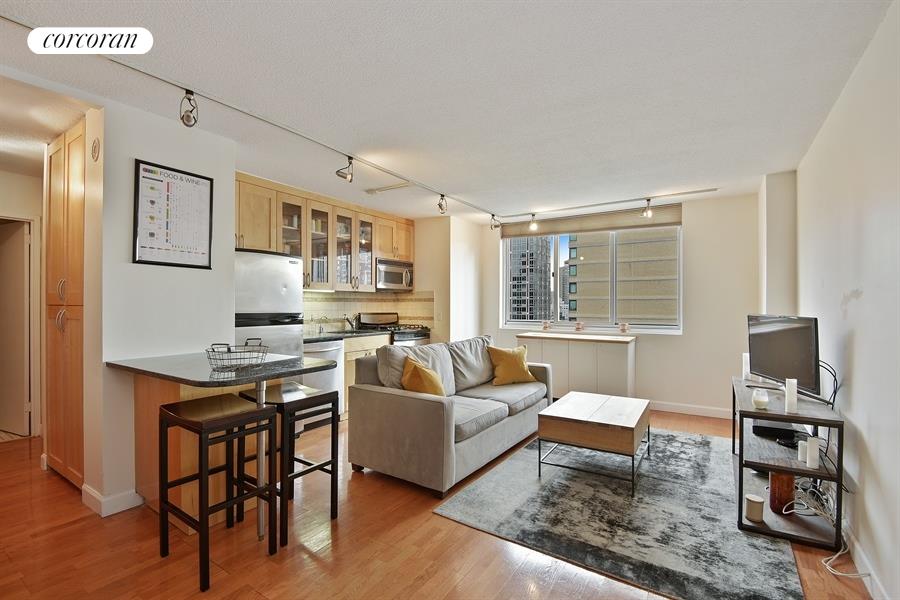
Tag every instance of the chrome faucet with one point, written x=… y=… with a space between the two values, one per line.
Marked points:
x=352 y=322
x=322 y=320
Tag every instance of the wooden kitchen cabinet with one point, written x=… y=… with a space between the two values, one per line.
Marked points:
x=320 y=246
x=354 y=348
x=64 y=391
x=354 y=258
x=364 y=257
x=346 y=243
x=255 y=217
x=277 y=217
x=385 y=238
x=393 y=240
x=291 y=231
x=405 y=242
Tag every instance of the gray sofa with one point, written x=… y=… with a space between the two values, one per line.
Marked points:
x=436 y=441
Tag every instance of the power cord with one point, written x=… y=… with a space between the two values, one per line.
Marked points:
x=812 y=501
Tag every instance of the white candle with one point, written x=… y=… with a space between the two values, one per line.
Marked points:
x=812 y=452
x=745 y=373
x=790 y=395
x=753 y=508
x=801 y=450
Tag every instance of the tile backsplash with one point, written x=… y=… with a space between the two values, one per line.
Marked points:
x=328 y=309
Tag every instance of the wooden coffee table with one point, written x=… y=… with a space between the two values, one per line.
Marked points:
x=612 y=424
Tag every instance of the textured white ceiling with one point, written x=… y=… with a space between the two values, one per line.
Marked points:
x=29 y=118
x=513 y=106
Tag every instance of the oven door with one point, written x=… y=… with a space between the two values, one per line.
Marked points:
x=394 y=275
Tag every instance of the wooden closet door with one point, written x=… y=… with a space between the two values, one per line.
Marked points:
x=72 y=322
x=55 y=352
x=55 y=247
x=64 y=393
x=73 y=284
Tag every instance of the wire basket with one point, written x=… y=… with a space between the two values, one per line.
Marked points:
x=227 y=358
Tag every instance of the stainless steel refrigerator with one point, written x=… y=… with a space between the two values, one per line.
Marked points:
x=268 y=300
x=268 y=304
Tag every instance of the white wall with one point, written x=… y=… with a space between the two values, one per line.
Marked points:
x=150 y=310
x=21 y=196
x=849 y=277
x=147 y=309
x=449 y=263
x=777 y=219
x=690 y=372
x=465 y=279
x=433 y=270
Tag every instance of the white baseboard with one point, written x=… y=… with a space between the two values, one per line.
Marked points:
x=864 y=565
x=109 y=505
x=43 y=462
x=691 y=409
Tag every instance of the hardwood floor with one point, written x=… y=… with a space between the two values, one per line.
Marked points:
x=386 y=543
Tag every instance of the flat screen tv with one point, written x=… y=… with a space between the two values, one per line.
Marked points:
x=783 y=347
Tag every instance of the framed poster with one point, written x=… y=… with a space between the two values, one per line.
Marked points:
x=172 y=216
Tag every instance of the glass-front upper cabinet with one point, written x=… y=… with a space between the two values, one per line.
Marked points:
x=321 y=247
x=291 y=221
x=365 y=253
x=344 y=246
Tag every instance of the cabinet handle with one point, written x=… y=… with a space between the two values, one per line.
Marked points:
x=59 y=289
x=62 y=320
x=242 y=240
x=235 y=241
x=63 y=295
x=58 y=315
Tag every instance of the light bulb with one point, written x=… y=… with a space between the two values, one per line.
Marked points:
x=533 y=225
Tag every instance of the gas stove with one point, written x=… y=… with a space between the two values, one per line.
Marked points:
x=402 y=334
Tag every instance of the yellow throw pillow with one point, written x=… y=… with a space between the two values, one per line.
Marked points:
x=510 y=365
x=419 y=378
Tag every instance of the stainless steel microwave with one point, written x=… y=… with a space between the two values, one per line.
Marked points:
x=393 y=274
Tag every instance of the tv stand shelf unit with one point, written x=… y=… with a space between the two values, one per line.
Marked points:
x=755 y=453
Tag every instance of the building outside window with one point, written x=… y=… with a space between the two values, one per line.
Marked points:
x=600 y=278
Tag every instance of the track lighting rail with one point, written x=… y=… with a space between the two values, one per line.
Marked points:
x=192 y=93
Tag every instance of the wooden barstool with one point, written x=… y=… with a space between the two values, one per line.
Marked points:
x=216 y=419
x=295 y=402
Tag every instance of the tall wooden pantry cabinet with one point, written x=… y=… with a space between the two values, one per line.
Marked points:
x=64 y=295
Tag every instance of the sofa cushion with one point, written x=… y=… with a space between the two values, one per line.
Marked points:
x=517 y=396
x=419 y=378
x=471 y=416
x=471 y=362
x=392 y=359
x=510 y=365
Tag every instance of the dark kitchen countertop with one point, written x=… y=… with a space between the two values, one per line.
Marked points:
x=194 y=370
x=333 y=336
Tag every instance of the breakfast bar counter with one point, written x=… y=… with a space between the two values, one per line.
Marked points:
x=165 y=379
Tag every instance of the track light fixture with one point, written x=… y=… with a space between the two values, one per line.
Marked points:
x=532 y=226
x=346 y=172
x=647 y=212
x=190 y=112
x=495 y=222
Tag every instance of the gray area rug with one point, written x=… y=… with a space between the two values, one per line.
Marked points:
x=677 y=537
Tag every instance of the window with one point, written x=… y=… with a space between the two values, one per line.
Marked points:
x=630 y=276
